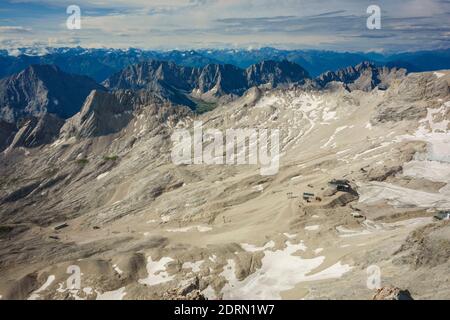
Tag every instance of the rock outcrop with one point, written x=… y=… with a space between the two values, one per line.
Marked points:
x=183 y=85
x=365 y=76
x=42 y=89
x=34 y=131
x=392 y=293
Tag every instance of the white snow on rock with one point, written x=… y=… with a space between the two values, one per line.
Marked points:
x=370 y=227
x=400 y=197
x=117 y=269
x=112 y=295
x=194 y=266
x=209 y=293
x=267 y=101
x=192 y=228
x=345 y=233
x=434 y=165
x=312 y=228
x=101 y=176
x=329 y=115
x=281 y=270
x=253 y=248
x=430 y=170
x=157 y=273
x=333 y=137
x=35 y=294
x=88 y=290
x=259 y=188
x=318 y=250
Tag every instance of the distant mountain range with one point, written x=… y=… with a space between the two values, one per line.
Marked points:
x=100 y=64
x=182 y=85
x=42 y=100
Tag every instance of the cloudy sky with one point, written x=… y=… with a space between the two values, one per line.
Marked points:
x=185 y=24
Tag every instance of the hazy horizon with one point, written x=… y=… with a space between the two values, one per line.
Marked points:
x=411 y=25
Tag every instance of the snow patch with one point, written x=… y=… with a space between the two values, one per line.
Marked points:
x=35 y=294
x=101 y=176
x=253 y=248
x=194 y=266
x=281 y=270
x=186 y=229
x=112 y=295
x=157 y=273
x=117 y=269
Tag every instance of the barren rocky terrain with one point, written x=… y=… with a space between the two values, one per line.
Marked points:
x=104 y=196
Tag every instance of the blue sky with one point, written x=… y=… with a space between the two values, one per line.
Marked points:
x=407 y=25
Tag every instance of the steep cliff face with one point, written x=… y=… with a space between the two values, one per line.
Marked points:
x=42 y=89
x=182 y=85
x=364 y=76
x=7 y=131
x=275 y=73
x=102 y=113
x=36 y=131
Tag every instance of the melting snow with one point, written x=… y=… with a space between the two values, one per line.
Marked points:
x=371 y=227
x=333 y=136
x=35 y=294
x=253 y=248
x=400 y=197
x=112 y=295
x=259 y=187
x=267 y=101
x=186 y=229
x=209 y=293
x=117 y=269
x=157 y=272
x=194 y=266
x=280 y=271
x=318 y=250
x=101 y=176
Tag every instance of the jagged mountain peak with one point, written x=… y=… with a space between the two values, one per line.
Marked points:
x=41 y=89
x=180 y=84
x=364 y=76
x=276 y=72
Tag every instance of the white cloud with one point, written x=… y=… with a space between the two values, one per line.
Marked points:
x=14 y=29
x=330 y=24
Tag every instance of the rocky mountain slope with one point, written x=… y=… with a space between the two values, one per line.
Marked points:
x=41 y=89
x=180 y=84
x=35 y=102
x=106 y=197
x=364 y=76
